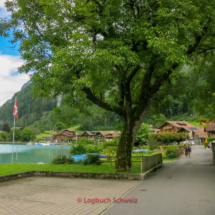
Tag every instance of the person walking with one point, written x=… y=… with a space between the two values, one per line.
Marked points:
x=189 y=150
x=186 y=150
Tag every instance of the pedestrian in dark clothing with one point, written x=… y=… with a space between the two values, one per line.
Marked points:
x=186 y=150
x=189 y=150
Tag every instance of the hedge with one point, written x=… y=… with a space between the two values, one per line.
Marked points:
x=210 y=139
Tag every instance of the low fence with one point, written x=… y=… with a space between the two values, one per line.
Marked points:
x=145 y=162
x=149 y=162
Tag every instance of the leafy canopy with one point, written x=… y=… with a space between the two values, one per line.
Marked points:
x=116 y=53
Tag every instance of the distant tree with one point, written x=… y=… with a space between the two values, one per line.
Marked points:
x=6 y=128
x=142 y=133
x=27 y=134
x=17 y=134
x=153 y=143
x=3 y=136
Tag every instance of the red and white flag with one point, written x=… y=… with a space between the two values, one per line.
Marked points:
x=15 y=110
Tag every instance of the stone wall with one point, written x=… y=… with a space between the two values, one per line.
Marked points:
x=178 y=152
x=149 y=162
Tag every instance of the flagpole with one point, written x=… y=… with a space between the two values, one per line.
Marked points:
x=13 y=134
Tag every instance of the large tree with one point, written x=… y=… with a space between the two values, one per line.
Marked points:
x=116 y=54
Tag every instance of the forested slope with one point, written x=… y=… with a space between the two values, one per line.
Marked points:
x=30 y=108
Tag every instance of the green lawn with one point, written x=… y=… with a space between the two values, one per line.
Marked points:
x=44 y=134
x=7 y=169
x=76 y=128
x=169 y=159
x=194 y=123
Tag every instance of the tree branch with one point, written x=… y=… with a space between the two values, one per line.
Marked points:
x=101 y=103
x=158 y=83
x=198 y=39
x=133 y=73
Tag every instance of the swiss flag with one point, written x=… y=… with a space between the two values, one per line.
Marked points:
x=15 y=110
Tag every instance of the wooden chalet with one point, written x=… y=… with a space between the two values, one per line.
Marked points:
x=108 y=135
x=200 y=136
x=211 y=130
x=178 y=126
x=89 y=134
x=65 y=134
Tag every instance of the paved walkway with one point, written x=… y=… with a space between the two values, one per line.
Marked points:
x=183 y=187
x=53 y=196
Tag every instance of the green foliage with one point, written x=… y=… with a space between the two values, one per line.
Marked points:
x=113 y=142
x=206 y=145
x=94 y=149
x=210 y=139
x=31 y=110
x=27 y=134
x=63 y=160
x=4 y=136
x=77 y=150
x=141 y=52
x=142 y=133
x=110 y=150
x=157 y=120
x=167 y=138
x=91 y=159
x=17 y=134
x=6 y=127
x=153 y=143
x=170 y=152
x=83 y=141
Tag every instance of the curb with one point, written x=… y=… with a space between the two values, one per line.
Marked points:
x=121 y=176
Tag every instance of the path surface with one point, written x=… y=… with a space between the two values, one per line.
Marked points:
x=58 y=196
x=183 y=187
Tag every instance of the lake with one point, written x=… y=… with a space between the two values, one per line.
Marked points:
x=31 y=154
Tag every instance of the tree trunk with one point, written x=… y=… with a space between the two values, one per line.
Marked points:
x=123 y=155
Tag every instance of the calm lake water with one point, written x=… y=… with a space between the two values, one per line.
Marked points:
x=31 y=154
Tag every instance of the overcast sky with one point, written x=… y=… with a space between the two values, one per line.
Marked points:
x=10 y=80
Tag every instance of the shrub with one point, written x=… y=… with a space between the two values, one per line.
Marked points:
x=91 y=159
x=77 y=150
x=170 y=137
x=170 y=153
x=63 y=160
x=206 y=145
x=153 y=143
x=114 y=142
x=94 y=149
x=210 y=139
x=4 y=136
x=83 y=141
x=27 y=134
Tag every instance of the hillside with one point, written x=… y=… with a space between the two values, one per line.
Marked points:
x=30 y=108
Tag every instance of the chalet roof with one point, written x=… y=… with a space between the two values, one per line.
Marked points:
x=211 y=127
x=91 y=133
x=112 y=133
x=181 y=124
x=201 y=133
x=68 y=130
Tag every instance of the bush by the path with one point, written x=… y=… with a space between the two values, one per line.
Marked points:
x=78 y=150
x=170 y=152
x=91 y=159
x=63 y=160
